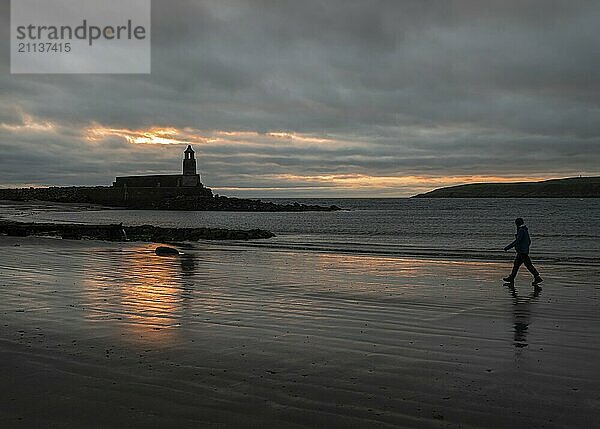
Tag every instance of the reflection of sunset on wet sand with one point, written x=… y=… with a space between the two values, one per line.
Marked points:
x=370 y=274
x=145 y=293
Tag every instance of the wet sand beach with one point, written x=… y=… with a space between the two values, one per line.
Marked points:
x=100 y=334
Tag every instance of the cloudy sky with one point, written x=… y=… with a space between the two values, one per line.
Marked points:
x=323 y=98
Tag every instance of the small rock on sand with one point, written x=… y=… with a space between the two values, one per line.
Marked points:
x=166 y=251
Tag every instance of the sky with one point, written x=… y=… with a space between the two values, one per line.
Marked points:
x=331 y=98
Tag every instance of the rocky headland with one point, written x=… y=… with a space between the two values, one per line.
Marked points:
x=577 y=187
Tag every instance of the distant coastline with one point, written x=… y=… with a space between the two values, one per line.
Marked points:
x=576 y=187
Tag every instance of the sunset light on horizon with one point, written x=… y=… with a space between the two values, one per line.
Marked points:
x=375 y=105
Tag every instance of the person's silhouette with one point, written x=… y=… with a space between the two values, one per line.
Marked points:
x=521 y=245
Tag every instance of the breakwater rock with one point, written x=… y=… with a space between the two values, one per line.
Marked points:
x=221 y=203
x=159 y=198
x=115 y=232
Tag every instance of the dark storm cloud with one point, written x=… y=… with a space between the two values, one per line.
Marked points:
x=413 y=87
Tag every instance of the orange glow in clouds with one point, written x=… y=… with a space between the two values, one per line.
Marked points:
x=357 y=181
x=29 y=123
x=148 y=136
x=172 y=135
x=350 y=181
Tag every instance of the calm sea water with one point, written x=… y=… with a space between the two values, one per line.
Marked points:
x=562 y=230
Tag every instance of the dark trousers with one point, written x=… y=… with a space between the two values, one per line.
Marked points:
x=523 y=258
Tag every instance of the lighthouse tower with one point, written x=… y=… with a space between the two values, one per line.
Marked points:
x=190 y=177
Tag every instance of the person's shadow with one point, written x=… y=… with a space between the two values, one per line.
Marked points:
x=522 y=313
x=188 y=270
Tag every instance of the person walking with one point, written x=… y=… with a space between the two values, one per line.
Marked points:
x=521 y=245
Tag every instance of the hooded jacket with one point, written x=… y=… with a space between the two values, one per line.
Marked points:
x=522 y=240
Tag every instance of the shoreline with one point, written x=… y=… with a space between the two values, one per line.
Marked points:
x=107 y=333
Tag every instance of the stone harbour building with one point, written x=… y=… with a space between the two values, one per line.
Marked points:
x=163 y=190
x=189 y=179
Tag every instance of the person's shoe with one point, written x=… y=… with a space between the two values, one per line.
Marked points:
x=536 y=281
x=508 y=279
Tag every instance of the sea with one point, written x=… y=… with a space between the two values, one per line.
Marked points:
x=562 y=230
x=389 y=313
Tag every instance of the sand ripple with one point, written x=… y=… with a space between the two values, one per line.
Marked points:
x=244 y=337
